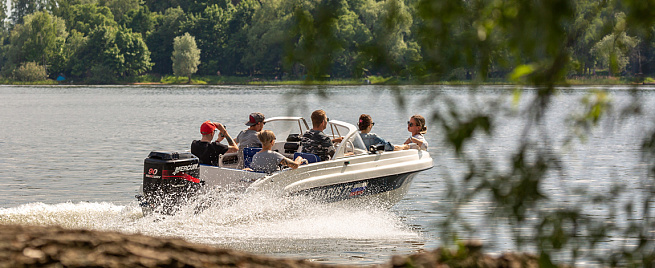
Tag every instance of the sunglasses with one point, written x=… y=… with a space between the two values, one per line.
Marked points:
x=410 y=124
x=372 y=123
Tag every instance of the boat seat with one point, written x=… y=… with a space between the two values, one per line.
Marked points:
x=291 y=147
x=311 y=158
x=228 y=159
x=248 y=153
x=293 y=138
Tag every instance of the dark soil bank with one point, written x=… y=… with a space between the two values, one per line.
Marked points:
x=47 y=246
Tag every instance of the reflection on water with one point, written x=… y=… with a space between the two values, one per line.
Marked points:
x=73 y=156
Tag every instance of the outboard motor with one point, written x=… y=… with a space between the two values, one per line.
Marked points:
x=170 y=179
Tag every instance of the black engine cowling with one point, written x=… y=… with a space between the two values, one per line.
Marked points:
x=170 y=179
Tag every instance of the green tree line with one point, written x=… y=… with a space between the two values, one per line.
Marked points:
x=317 y=39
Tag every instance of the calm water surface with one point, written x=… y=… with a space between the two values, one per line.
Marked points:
x=73 y=156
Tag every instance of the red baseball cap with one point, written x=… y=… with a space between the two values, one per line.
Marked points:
x=207 y=128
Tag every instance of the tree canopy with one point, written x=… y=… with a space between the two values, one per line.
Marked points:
x=39 y=39
x=186 y=56
x=318 y=39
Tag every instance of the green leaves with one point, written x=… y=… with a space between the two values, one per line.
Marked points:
x=186 y=56
x=135 y=53
x=86 y=17
x=521 y=72
x=317 y=45
x=160 y=42
x=113 y=51
x=39 y=39
x=613 y=50
x=30 y=72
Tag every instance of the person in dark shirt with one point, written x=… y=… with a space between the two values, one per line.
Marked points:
x=316 y=142
x=208 y=151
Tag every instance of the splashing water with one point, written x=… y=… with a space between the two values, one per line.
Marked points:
x=83 y=215
x=259 y=223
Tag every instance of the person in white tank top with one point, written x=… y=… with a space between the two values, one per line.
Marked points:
x=415 y=125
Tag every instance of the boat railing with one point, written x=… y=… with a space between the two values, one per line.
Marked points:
x=351 y=144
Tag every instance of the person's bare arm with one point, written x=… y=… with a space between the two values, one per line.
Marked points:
x=417 y=141
x=292 y=164
x=232 y=149
x=232 y=146
x=400 y=147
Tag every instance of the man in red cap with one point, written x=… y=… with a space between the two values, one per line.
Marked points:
x=248 y=137
x=208 y=151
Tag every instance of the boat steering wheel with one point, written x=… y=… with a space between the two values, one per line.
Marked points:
x=350 y=148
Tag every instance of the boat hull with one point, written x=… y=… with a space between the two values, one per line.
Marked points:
x=384 y=191
x=375 y=178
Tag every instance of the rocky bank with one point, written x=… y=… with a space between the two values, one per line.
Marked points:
x=49 y=246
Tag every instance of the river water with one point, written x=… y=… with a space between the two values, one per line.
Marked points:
x=73 y=156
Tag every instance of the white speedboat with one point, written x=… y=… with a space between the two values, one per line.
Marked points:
x=353 y=173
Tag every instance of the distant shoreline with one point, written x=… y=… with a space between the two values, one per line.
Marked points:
x=230 y=80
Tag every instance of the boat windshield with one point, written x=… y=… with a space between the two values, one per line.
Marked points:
x=284 y=126
x=351 y=145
